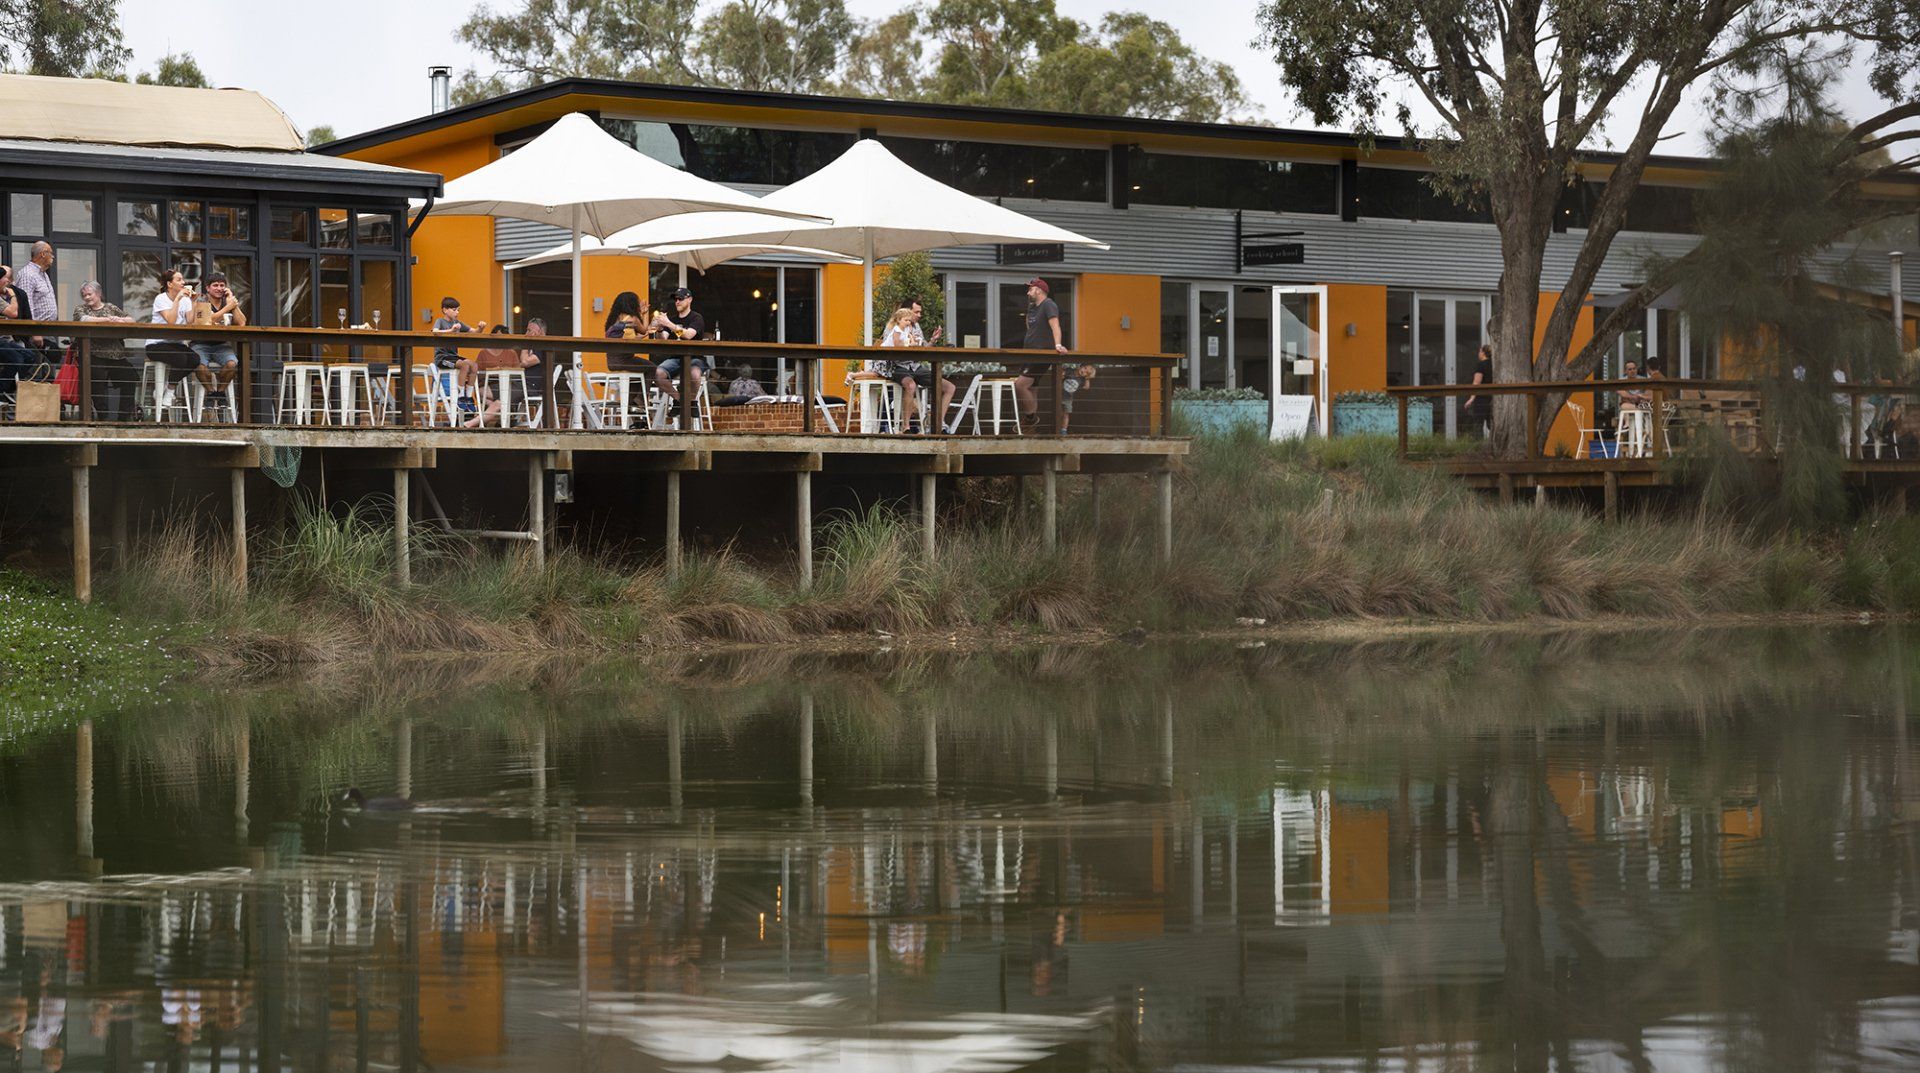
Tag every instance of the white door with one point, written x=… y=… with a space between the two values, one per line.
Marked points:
x=1299 y=369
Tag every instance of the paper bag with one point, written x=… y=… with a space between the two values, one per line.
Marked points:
x=36 y=401
x=203 y=312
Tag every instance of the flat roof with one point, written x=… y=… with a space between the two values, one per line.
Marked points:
x=1040 y=125
x=258 y=166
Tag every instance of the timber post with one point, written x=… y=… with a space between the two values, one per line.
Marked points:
x=537 y=506
x=673 y=524
x=1165 y=477
x=81 y=460
x=803 y=524
x=1611 y=496
x=237 y=489
x=1506 y=489
x=928 y=513
x=1093 y=499
x=118 y=533
x=1049 y=507
x=402 y=519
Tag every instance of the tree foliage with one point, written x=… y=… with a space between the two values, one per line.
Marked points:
x=909 y=276
x=65 y=38
x=320 y=135
x=175 y=69
x=995 y=52
x=1522 y=88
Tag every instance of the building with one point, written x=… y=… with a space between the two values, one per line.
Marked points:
x=130 y=181
x=1234 y=245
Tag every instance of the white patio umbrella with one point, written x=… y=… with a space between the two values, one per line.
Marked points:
x=699 y=258
x=577 y=176
x=877 y=207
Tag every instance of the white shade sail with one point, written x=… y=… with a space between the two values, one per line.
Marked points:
x=577 y=176
x=699 y=258
x=877 y=207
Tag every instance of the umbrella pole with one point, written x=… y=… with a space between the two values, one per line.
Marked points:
x=866 y=305
x=578 y=412
x=683 y=274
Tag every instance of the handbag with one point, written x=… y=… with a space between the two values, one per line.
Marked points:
x=68 y=378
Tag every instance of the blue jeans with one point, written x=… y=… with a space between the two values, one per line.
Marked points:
x=671 y=366
x=215 y=354
x=14 y=361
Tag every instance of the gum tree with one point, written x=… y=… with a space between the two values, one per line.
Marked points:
x=1521 y=88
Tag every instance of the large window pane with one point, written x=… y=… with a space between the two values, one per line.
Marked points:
x=239 y=272
x=732 y=154
x=545 y=291
x=1396 y=194
x=988 y=169
x=185 y=222
x=1174 y=323
x=802 y=311
x=293 y=289
x=77 y=265
x=1214 y=335
x=27 y=214
x=138 y=219
x=374 y=229
x=140 y=281
x=333 y=229
x=1401 y=370
x=738 y=302
x=376 y=302
x=74 y=216
x=1226 y=183
x=230 y=223
x=336 y=292
x=292 y=226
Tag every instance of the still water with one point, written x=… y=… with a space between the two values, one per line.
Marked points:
x=1676 y=851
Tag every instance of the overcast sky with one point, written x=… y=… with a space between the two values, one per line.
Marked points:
x=362 y=64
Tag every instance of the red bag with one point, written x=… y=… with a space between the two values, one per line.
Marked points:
x=69 y=380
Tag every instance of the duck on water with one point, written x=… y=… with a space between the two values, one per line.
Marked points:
x=381 y=803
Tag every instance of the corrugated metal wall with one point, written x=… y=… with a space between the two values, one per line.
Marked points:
x=1198 y=244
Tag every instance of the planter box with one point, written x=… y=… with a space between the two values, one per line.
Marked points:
x=758 y=417
x=1381 y=419
x=1220 y=418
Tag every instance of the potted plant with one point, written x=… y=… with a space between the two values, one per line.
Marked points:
x=1216 y=411
x=1374 y=413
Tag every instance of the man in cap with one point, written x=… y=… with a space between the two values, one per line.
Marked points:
x=682 y=323
x=1043 y=333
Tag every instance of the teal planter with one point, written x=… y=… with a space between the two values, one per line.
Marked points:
x=1381 y=419
x=1203 y=418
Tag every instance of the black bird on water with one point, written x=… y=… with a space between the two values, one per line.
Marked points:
x=382 y=803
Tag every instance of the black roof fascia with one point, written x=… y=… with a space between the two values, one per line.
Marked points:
x=1122 y=125
x=158 y=169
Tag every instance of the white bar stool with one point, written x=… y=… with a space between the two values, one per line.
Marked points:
x=510 y=387
x=878 y=401
x=1002 y=392
x=293 y=398
x=198 y=396
x=1633 y=432
x=158 y=393
x=352 y=391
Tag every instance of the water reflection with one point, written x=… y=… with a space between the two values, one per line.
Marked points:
x=1673 y=853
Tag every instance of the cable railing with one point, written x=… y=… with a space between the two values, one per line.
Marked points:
x=360 y=377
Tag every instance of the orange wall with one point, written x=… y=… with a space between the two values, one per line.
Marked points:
x=841 y=290
x=1356 y=362
x=454 y=254
x=1104 y=299
x=1565 y=434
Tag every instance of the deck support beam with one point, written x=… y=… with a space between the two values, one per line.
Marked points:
x=673 y=524
x=1539 y=496
x=537 y=507
x=803 y=524
x=1506 y=489
x=82 y=529
x=1093 y=499
x=402 y=520
x=1165 y=479
x=237 y=489
x=1611 y=496
x=118 y=525
x=928 y=513
x=1049 y=508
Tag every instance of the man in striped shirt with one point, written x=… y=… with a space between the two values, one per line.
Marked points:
x=37 y=288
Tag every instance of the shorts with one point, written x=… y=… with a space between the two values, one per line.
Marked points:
x=671 y=366
x=916 y=372
x=445 y=360
x=215 y=354
x=1035 y=372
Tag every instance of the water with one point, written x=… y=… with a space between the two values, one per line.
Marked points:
x=1659 y=852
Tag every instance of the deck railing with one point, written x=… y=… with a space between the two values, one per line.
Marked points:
x=1126 y=395
x=1736 y=406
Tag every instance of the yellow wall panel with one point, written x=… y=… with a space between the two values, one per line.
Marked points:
x=454 y=254
x=1104 y=299
x=1356 y=362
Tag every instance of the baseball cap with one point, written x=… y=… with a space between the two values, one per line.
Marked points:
x=680 y=292
x=1040 y=283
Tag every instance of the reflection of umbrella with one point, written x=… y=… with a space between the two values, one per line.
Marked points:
x=578 y=174
x=878 y=207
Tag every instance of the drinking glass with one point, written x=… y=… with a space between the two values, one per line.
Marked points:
x=376 y=320
x=343 y=318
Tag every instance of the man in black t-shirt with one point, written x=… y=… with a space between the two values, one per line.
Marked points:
x=1043 y=333
x=15 y=358
x=682 y=323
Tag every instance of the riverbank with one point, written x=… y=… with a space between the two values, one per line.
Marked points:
x=1326 y=536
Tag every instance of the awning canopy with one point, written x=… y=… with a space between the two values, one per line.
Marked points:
x=124 y=113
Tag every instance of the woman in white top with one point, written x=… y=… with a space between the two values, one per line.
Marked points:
x=914 y=377
x=173 y=305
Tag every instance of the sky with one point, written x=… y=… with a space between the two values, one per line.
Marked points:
x=320 y=69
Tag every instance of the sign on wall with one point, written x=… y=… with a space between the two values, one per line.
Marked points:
x=1030 y=253
x=1274 y=253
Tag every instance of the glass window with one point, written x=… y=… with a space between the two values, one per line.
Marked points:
x=140 y=281
x=732 y=154
x=21 y=252
x=376 y=302
x=1401 y=370
x=1227 y=183
x=293 y=290
x=374 y=229
x=738 y=302
x=185 y=223
x=545 y=291
x=27 y=214
x=239 y=272
x=73 y=216
x=77 y=265
x=802 y=309
x=1173 y=321
x=230 y=223
x=137 y=219
x=987 y=169
x=1013 y=309
x=292 y=226
x=334 y=234
x=1396 y=194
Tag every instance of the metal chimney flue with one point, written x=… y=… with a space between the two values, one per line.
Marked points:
x=441 y=79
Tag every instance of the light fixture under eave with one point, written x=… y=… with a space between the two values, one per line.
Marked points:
x=773 y=307
x=756 y=292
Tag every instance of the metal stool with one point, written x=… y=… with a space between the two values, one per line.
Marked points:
x=293 y=398
x=510 y=387
x=878 y=401
x=352 y=386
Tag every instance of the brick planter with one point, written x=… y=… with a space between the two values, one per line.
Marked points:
x=758 y=417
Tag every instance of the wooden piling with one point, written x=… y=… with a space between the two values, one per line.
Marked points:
x=1165 y=477
x=1611 y=480
x=673 y=524
x=928 y=513
x=1049 y=508
x=1539 y=496
x=237 y=487
x=1093 y=499
x=82 y=532
x=402 y=519
x=537 y=507
x=803 y=524
x=119 y=523
x=1506 y=489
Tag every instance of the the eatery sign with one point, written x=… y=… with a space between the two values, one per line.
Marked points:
x=1030 y=253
